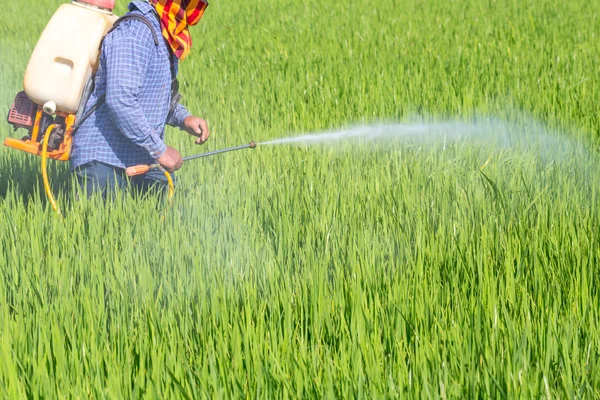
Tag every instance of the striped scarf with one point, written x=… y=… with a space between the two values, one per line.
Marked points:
x=175 y=17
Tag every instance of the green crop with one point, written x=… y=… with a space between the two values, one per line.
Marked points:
x=438 y=269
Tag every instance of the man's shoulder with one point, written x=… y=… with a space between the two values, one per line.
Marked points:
x=146 y=32
x=142 y=7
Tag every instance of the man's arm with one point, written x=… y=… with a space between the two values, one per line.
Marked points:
x=127 y=59
x=182 y=119
x=178 y=117
x=128 y=56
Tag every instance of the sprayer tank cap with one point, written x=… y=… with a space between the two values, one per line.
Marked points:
x=105 y=4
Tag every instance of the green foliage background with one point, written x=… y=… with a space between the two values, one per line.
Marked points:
x=352 y=271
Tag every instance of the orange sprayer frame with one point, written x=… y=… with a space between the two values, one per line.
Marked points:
x=32 y=146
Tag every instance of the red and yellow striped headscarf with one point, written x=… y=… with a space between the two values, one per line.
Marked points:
x=175 y=17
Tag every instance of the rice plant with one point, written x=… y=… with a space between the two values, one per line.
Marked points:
x=446 y=268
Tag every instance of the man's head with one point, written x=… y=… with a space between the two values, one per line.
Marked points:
x=175 y=17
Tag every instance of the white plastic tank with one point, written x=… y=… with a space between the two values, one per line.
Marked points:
x=66 y=55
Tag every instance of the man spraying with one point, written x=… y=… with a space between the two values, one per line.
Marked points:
x=135 y=95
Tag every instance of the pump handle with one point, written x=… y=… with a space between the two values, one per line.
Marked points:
x=139 y=170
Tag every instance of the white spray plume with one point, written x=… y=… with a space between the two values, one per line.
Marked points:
x=381 y=131
x=494 y=132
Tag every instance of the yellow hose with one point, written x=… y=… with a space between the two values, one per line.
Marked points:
x=169 y=182
x=171 y=186
x=45 y=171
x=171 y=190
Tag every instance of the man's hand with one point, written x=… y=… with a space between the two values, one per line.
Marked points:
x=197 y=127
x=171 y=160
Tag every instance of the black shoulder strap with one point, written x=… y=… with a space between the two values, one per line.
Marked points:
x=136 y=17
x=102 y=98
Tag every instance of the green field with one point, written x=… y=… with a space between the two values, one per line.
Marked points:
x=396 y=269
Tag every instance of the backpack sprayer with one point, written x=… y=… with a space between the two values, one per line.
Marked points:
x=61 y=66
x=58 y=82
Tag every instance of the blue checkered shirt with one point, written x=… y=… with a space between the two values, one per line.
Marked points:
x=135 y=74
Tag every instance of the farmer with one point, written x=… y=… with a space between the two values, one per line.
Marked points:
x=135 y=95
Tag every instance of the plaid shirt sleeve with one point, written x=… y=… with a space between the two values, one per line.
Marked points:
x=127 y=63
x=178 y=116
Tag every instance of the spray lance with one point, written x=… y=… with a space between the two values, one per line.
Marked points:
x=142 y=169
